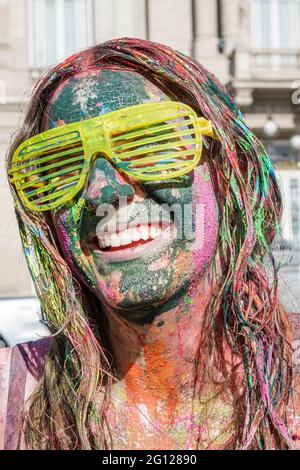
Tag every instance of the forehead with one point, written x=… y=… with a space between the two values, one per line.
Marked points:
x=99 y=92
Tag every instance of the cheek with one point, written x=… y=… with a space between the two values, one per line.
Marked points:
x=62 y=234
x=206 y=223
x=66 y=237
x=66 y=227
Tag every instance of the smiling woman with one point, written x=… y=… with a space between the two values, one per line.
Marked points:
x=167 y=331
x=141 y=282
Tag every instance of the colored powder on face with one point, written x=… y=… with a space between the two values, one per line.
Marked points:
x=105 y=184
x=206 y=228
x=82 y=96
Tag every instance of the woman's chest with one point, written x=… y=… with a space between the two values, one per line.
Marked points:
x=205 y=424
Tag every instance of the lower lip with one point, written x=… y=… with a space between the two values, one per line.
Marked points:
x=138 y=251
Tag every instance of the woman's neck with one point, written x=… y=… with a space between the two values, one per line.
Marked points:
x=157 y=399
x=157 y=361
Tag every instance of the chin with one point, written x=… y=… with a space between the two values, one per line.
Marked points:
x=143 y=309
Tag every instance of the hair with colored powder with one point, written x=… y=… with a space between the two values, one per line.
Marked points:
x=244 y=311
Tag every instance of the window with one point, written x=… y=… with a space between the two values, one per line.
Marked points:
x=57 y=28
x=281 y=151
x=275 y=24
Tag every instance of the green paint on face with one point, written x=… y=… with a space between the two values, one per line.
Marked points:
x=142 y=287
x=98 y=93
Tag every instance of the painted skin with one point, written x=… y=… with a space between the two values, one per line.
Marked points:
x=154 y=303
x=139 y=288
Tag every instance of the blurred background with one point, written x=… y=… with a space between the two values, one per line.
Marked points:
x=253 y=46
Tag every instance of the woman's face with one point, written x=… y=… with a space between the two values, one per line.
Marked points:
x=167 y=233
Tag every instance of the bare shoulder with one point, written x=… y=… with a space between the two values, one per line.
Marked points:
x=21 y=367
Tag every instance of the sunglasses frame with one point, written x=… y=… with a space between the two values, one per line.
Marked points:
x=99 y=135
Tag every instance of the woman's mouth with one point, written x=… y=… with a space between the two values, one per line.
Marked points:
x=132 y=242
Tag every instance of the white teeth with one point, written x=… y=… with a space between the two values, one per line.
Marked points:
x=154 y=232
x=128 y=236
x=135 y=235
x=115 y=240
x=104 y=242
x=144 y=233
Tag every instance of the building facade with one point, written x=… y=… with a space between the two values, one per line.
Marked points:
x=251 y=45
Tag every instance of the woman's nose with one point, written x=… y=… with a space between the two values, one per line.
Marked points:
x=105 y=185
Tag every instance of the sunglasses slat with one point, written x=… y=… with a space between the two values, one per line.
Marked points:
x=157 y=148
x=163 y=175
x=47 y=148
x=158 y=158
x=47 y=167
x=166 y=166
x=52 y=185
x=151 y=140
x=51 y=175
x=148 y=130
x=52 y=197
x=38 y=161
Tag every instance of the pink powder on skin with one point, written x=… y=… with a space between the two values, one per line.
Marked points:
x=107 y=291
x=60 y=122
x=64 y=239
x=119 y=177
x=95 y=187
x=180 y=342
x=206 y=236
